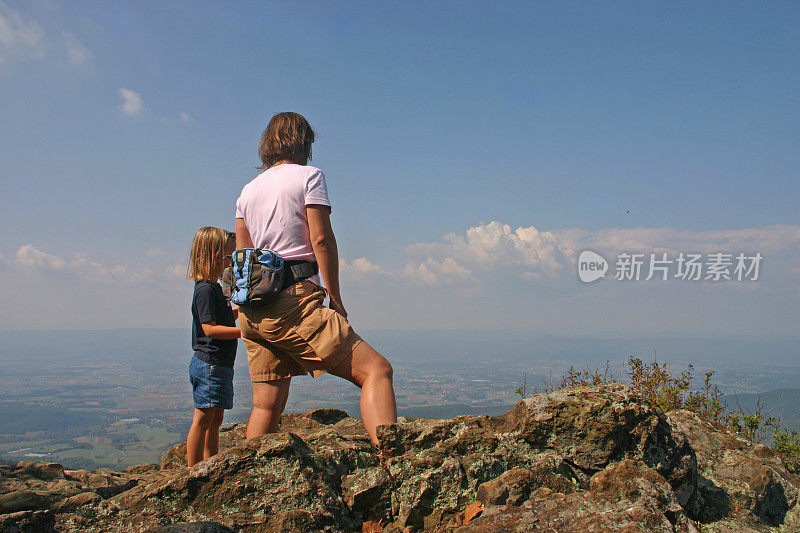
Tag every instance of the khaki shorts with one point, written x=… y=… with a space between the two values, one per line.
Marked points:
x=295 y=335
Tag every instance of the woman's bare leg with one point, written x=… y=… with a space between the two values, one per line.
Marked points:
x=269 y=400
x=370 y=371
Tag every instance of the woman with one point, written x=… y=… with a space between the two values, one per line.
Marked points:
x=286 y=209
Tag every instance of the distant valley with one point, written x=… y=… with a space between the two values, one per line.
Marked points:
x=121 y=397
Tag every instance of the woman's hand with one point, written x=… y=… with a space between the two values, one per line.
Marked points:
x=338 y=307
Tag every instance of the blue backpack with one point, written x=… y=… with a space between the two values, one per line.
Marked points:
x=255 y=276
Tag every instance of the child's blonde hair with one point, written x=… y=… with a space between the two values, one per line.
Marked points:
x=207 y=252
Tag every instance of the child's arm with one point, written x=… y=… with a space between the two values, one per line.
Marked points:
x=211 y=329
x=235 y=309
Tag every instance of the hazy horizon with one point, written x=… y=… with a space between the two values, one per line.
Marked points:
x=128 y=395
x=530 y=333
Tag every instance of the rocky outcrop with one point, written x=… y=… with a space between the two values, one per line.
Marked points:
x=626 y=496
x=579 y=459
x=34 y=493
x=436 y=466
x=741 y=486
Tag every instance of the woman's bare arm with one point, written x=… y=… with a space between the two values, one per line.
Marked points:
x=243 y=238
x=325 y=250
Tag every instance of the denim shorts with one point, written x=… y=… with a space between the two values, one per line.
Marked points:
x=212 y=385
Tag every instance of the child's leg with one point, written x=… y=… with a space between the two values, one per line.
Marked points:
x=212 y=435
x=195 y=441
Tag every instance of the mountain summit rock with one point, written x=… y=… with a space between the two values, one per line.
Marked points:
x=579 y=459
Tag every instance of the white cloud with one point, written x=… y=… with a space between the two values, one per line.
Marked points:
x=28 y=257
x=469 y=266
x=99 y=273
x=23 y=39
x=175 y=271
x=185 y=117
x=470 y=263
x=131 y=102
x=362 y=271
x=541 y=256
x=362 y=265
x=130 y=274
x=19 y=38
x=493 y=246
x=446 y=272
x=87 y=267
x=77 y=53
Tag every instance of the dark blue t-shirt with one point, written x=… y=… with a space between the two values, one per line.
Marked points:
x=210 y=305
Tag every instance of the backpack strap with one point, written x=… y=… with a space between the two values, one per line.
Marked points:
x=298 y=270
x=303 y=270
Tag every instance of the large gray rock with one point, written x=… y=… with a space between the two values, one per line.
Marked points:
x=627 y=496
x=22 y=500
x=740 y=484
x=27 y=522
x=192 y=527
x=175 y=458
x=514 y=486
x=46 y=470
x=590 y=427
x=247 y=485
x=437 y=466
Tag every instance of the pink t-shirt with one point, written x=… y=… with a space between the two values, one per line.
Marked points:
x=273 y=207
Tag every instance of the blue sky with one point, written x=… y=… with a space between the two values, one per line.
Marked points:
x=647 y=126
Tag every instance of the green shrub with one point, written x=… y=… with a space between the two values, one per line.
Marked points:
x=571 y=378
x=668 y=392
x=756 y=426
x=656 y=383
x=787 y=443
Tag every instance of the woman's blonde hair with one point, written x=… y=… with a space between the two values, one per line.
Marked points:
x=206 y=254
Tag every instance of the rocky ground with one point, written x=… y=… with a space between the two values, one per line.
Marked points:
x=594 y=459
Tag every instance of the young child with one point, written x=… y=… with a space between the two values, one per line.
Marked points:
x=214 y=335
